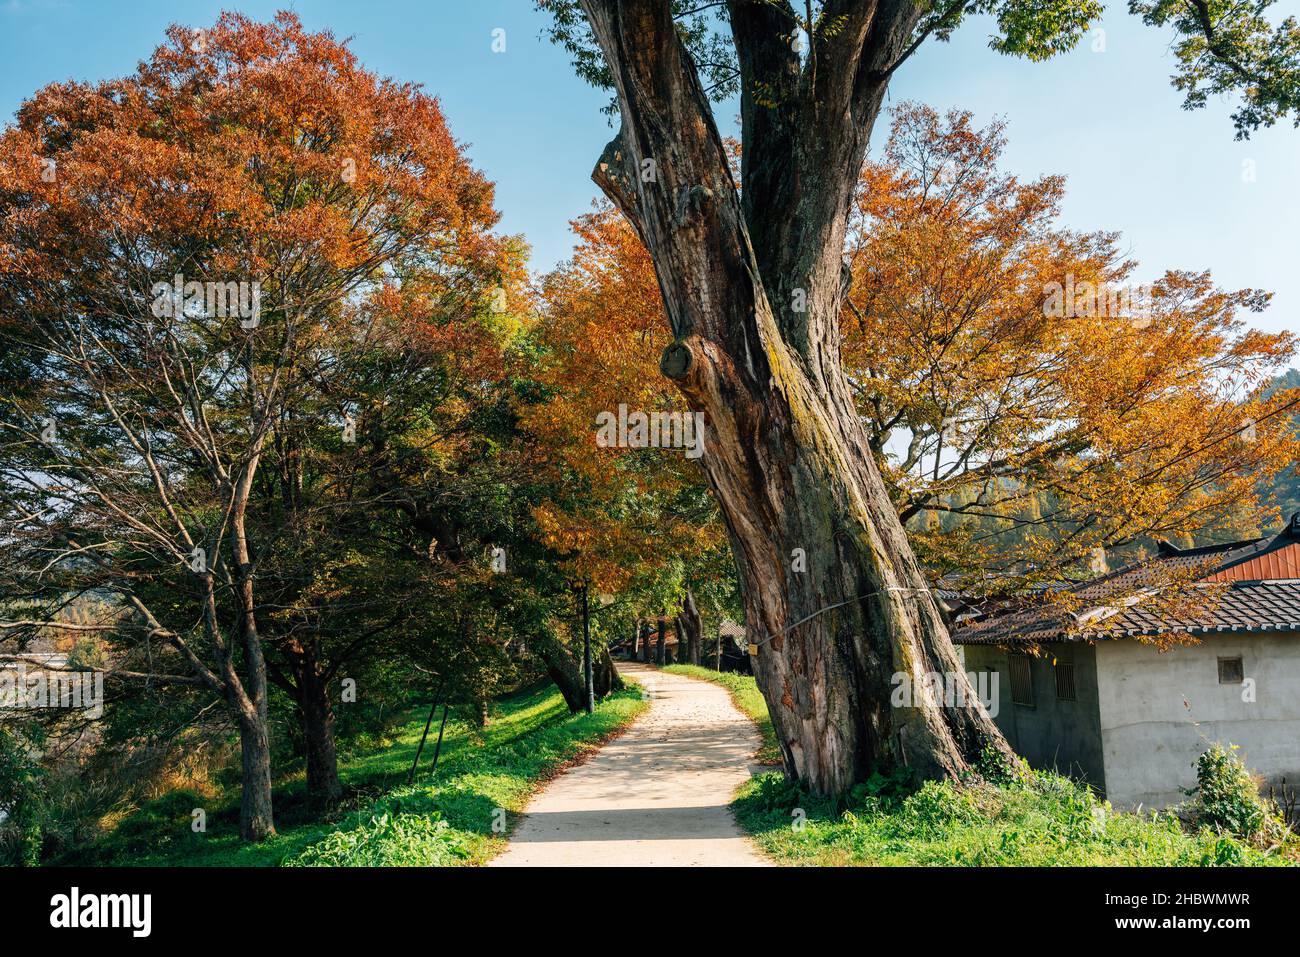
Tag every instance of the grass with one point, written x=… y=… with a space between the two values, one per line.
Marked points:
x=1041 y=819
x=485 y=777
x=747 y=697
x=1044 y=820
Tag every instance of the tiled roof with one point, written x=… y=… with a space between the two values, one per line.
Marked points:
x=1243 y=606
x=1235 y=602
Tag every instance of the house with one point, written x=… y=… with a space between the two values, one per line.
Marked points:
x=1084 y=686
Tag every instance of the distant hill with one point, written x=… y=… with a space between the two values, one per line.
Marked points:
x=1284 y=490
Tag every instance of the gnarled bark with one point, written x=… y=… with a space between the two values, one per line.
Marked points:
x=833 y=595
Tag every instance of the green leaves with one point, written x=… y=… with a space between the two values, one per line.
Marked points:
x=703 y=33
x=1040 y=29
x=387 y=840
x=1230 y=47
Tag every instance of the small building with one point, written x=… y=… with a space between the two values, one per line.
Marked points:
x=1122 y=681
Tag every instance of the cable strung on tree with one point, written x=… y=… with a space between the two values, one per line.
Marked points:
x=754 y=645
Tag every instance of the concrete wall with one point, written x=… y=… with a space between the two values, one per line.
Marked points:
x=1159 y=711
x=1059 y=735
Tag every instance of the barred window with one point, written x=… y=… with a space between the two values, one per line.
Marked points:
x=1022 y=680
x=1065 y=680
x=1230 y=671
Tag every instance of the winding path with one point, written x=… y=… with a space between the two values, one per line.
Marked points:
x=657 y=795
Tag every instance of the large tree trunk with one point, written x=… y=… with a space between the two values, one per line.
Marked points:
x=256 y=822
x=317 y=716
x=605 y=675
x=563 y=669
x=833 y=595
x=661 y=643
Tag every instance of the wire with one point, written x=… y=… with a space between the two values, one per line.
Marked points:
x=841 y=604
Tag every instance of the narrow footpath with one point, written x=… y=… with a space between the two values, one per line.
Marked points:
x=656 y=796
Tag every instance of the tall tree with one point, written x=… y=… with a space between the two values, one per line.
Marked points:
x=1018 y=385
x=753 y=284
x=633 y=518
x=196 y=262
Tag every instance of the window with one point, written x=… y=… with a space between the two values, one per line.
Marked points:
x=1022 y=680
x=1065 y=679
x=1230 y=671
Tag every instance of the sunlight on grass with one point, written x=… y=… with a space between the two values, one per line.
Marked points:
x=1045 y=820
x=485 y=777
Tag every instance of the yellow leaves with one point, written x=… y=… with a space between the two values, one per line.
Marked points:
x=603 y=328
x=1103 y=415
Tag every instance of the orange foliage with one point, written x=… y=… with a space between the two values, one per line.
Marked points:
x=1042 y=436
x=603 y=331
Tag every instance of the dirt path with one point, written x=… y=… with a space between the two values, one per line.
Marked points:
x=657 y=795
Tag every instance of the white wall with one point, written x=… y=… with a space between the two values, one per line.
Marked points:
x=1159 y=711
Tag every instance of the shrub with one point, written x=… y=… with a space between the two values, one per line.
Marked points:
x=387 y=840
x=1227 y=798
x=882 y=792
x=996 y=768
x=936 y=806
x=21 y=784
x=774 y=792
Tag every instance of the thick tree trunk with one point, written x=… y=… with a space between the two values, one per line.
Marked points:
x=256 y=822
x=753 y=289
x=692 y=626
x=316 y=716
x=605 y=675
x=318 y=741
x=661 y=644
x=835 y=639
x=564 y=670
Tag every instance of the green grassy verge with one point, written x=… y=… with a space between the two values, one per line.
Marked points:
x=747 y=697
x=484 y=776
x=1043 y=820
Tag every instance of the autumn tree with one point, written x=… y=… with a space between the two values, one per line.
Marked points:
x=634 y=520
x=1032 y=406
x=198 y=263
x=753 y=285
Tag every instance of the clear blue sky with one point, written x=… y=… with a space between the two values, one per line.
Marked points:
x=1170 y=180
